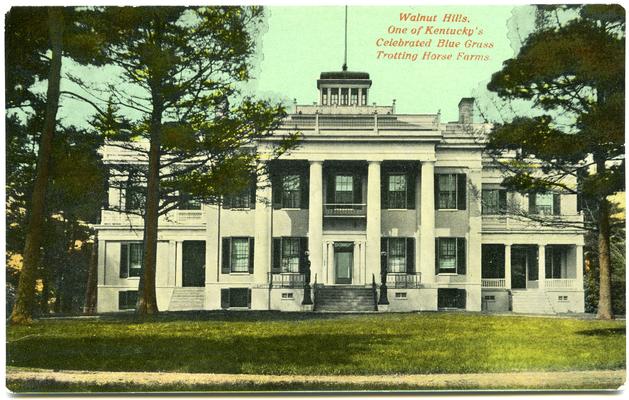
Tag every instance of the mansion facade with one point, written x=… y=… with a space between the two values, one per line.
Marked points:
x=374 y=211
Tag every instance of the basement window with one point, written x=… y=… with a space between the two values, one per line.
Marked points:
x=287 y=296
x=400 y=295
x=562 y=298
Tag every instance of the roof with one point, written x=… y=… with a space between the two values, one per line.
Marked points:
x=344 y=75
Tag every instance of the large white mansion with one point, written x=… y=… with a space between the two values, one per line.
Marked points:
x=374 y=210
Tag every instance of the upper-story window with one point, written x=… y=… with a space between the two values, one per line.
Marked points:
x=131 y=258
x=291 y=189
x=187 y=202
x=344 y=189
x=324 y=97
x=134 y=193
x=547 y=203
x=451 y=192
x=363 y=98
x=397 y=191
x=334 y=97
x=494 y=201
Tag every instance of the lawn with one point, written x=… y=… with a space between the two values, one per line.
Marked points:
x=309 y=344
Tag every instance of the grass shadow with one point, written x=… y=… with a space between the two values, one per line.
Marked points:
x=603 y=332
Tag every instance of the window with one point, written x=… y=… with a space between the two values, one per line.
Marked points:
x=494 y=201
x=354 y=98
x=397 y=255
x=290 y=191
x=493 y=261
x=334 y=97
x=450 y=256
x=324 y=97
x=344 y=96
x=290 y=255
x=562 y=298
x=237 y=255
x=131 y=257
x=287 y=296
x=554 y=256
x=397 y=191
x=236 y=297
x=344 y=189
x=490 y=298
x=545 y=203
x=451 y=191
x=363 y=99
x=127 y=299
x=187 y=202
x=400 y=295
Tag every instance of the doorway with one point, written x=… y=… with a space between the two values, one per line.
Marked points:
x=343 y=262
x=518 y=267
x=193 y=263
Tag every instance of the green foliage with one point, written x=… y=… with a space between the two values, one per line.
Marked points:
x=310 y=344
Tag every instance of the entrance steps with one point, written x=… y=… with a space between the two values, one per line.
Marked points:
x=344 y=299
x=187 y=298
x=531 y=301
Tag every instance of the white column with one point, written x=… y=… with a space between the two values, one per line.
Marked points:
x=427 y=221
x=373 y=221
x=579 y=265
x=508 y=266
x=315 y=218
x=172 y=262
x=179 y=265
x=541 y=265
x=263 y=235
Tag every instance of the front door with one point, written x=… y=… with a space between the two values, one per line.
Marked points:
x=193 y=259
x=518 y=268
x=343 y=262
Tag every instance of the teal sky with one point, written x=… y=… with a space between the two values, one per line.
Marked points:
x=301 y=42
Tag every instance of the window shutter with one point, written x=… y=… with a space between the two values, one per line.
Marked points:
x=124 y=260
x=436 y=256
x=384 y=192
x=532 y=203
x=384 y=261
x=410 y=256
x=358 y=192
x=556 y=204
x=276 y=266
x=533 y=268
x=436 y=182
x=303 y=260
x=461 y=191
x=304 y=185
x=276 y=188
x=252 y=191
x=460 y=256
x=548 y=262
x=579 y=202
x=329 y=189
x=410 y=190
x=122 y=300
x=248 y=298
x=226 y=254
x=224 y=298
x=251 y=253
x=502 y=200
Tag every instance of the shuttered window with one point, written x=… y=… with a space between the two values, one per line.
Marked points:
x=451 y=192
x=236 y=297
x=450 y=256
x=237 y=255
x=494 y=201
x=290 y=254
x=131 y=258
x=344 y=189
x=127 y=299
x=291 y=191
x=397 y=191
x=397 y=255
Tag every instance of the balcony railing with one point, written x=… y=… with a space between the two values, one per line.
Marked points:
x=493 y=282
x=561 y=283
x=404 y=281
x=288 y=280
x=345 y=210
x=179 y=217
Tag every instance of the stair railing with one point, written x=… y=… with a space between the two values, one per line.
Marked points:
x=374 y=292
x=315 y=293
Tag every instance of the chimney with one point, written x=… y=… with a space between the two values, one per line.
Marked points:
x=466 y=110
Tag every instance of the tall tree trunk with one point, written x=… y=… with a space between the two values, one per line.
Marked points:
x=148 y=300
x=92 y=281
x=23 y=309
x=605 y=273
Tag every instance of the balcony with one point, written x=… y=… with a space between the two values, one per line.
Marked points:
x=176 y=217
x=287 y=280
x=404 y=281
x=512 y=222
x=561 y=284
x=493 y=283
x=345 y=210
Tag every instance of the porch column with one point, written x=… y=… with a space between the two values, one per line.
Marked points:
x=315 y=218
x=541 y=265
x=263 y=234
x=172 y=262
x=179 y=264
x=508 y=266
x=373 y=221
x=579 y=265
x=427 y=220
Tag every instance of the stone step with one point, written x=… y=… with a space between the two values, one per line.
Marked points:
x=187 y=298
x=344 y=299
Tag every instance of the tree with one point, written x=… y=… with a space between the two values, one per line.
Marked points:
x=31 y=33
x=571 y=68
x=180 y=70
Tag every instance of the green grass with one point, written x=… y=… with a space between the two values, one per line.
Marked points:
x=286 y=343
